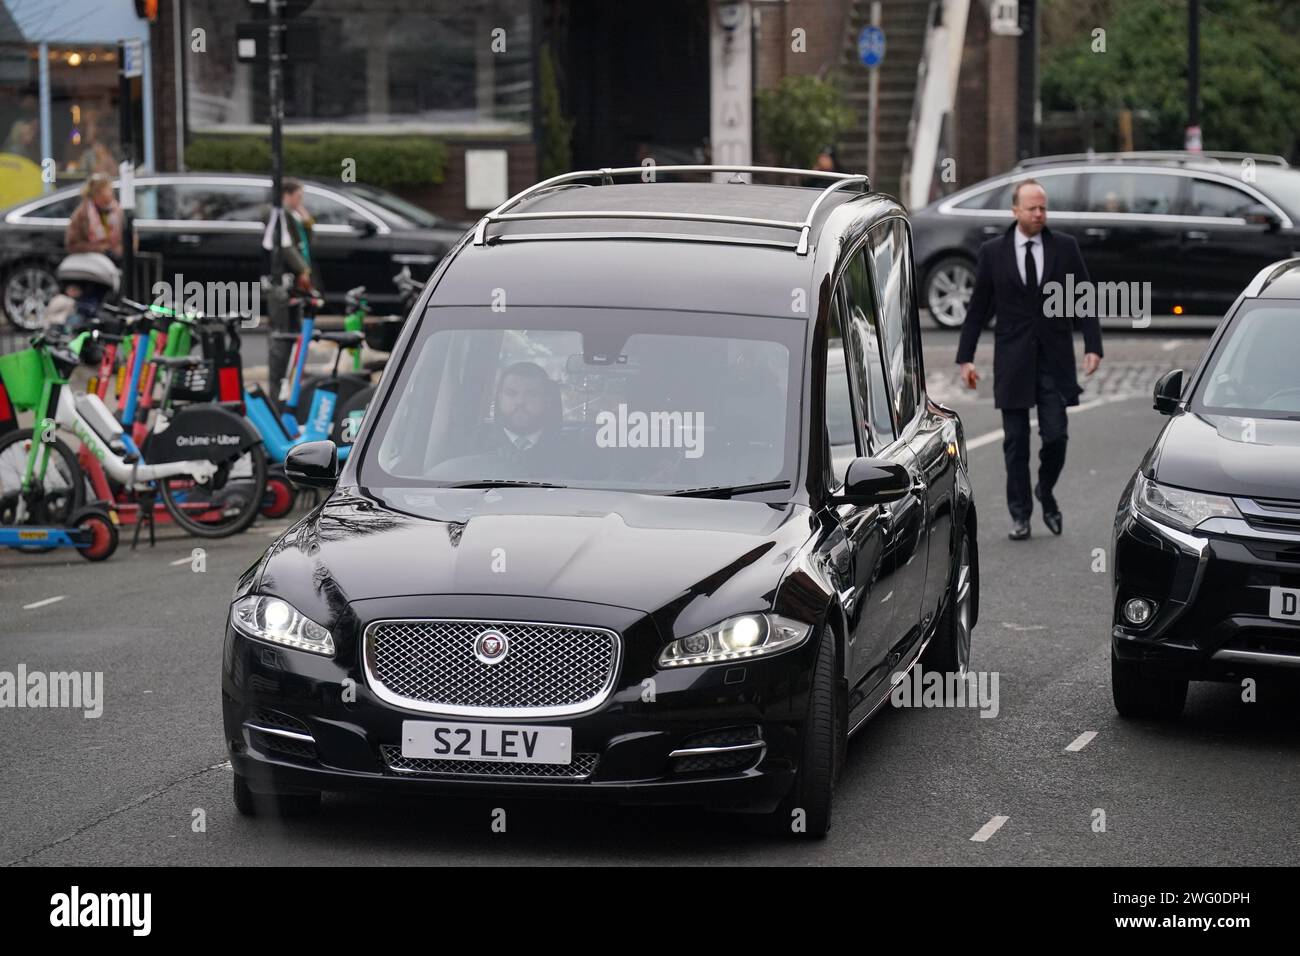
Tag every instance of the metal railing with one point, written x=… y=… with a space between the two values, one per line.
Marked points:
x=606 y=177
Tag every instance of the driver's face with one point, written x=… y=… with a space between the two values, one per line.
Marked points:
x=521 y=405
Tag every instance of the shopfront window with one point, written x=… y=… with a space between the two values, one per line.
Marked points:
x=374 y=66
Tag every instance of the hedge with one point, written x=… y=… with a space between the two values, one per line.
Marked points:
x=380 y=160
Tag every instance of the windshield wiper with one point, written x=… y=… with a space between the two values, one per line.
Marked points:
x=729 y=491
x=504 y=483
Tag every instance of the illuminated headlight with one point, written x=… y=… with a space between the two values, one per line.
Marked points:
x=737 y=638
x=270 y=619
x=1178 y=506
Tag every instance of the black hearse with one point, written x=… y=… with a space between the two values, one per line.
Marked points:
x=650 y=505
x=1207 y=536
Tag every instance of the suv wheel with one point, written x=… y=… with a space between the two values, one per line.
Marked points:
x=949 y=284
x=1139 y=696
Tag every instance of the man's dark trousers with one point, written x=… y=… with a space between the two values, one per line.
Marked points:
x=1053 y=430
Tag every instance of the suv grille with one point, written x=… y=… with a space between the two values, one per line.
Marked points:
x=546 y=670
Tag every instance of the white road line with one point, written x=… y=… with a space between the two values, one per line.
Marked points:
x=1081 y=741
x=988 y=438
x=993 y=826
x=179 y=561
x=35 y=604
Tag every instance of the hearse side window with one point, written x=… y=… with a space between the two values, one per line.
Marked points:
x=1216 y=199
x=887 y=243
x=839 y=406
x=864 y=331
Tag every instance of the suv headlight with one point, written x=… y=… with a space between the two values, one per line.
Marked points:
x=1179 y=507
x=736 y=638
x=271 y=619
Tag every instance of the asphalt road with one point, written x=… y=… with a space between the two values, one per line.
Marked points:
x=1216 y=788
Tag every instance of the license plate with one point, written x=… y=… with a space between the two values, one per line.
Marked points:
x=493 y=743
x=1284 y=604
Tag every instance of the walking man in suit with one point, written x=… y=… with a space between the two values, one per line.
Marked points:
x=1033 y=355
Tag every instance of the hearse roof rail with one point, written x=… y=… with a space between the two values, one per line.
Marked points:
x=837 y=181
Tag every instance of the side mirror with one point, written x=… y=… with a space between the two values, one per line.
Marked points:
x=313 y=464
x=871 y=481
x=1261 y=215
x=363 y=226
x=1168 y=393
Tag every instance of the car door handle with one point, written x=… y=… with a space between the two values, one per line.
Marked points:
x=189 y=238
x=1096 y=232
x=992 y=230
x=1196 y=235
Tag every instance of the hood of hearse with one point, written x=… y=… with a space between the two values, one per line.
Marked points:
x=629 y=550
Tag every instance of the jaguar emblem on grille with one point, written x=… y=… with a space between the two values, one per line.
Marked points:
x=490 y=647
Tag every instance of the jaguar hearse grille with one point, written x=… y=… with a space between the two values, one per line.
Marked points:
x=490 y=668
x=582 y=767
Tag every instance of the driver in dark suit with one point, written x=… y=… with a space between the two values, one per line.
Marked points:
x=1033 y=355
x=525 y=427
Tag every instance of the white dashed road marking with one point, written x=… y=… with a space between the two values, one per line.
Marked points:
x=179 y=561
x=35 y=604
x=1081 y=741
x=993 y=826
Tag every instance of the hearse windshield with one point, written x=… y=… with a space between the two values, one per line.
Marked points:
x=636 y=400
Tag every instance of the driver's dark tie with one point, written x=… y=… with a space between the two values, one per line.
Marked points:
x=1031 y=268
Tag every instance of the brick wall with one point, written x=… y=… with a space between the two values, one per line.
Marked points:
x=448 y=197
x=823 y=23
x=984 y=128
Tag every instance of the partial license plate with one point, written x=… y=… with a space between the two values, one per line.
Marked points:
x=1284 y=604
x=499 y=743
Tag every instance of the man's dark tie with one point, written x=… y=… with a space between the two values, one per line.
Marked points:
x=1031 y=267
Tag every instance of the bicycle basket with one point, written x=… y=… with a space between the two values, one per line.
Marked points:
x=23 y=374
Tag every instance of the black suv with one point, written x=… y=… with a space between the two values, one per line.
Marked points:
x=1195 y=226
x=651 y=505
x=1207 y=537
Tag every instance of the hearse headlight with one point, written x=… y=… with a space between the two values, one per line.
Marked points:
x=736 y=638
x=271 y=619
x=1180 y=507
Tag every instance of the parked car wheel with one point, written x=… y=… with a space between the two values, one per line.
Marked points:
x=1139 y=696
x=28 y=288
x=949 y=284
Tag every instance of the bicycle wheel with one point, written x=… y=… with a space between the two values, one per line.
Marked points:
x=51 y=501
x=226 y=505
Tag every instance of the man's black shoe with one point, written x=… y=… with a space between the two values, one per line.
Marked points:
x=1051 y=513
x=1019 y=530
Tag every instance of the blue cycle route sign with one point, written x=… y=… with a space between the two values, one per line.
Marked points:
x=871 y=46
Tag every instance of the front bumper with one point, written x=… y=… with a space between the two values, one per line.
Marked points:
x=1211 y=588
x=725 y=736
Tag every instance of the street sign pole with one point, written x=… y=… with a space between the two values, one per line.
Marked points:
x=871 y=52
x=873 y=103
x=129 y=58
x=276 y=74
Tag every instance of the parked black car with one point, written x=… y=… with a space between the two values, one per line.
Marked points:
x=697 y=611
x=1197 y=227
x=1207 y=537
x=208 y=228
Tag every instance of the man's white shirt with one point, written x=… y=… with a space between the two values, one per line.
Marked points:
x=1021 y=241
